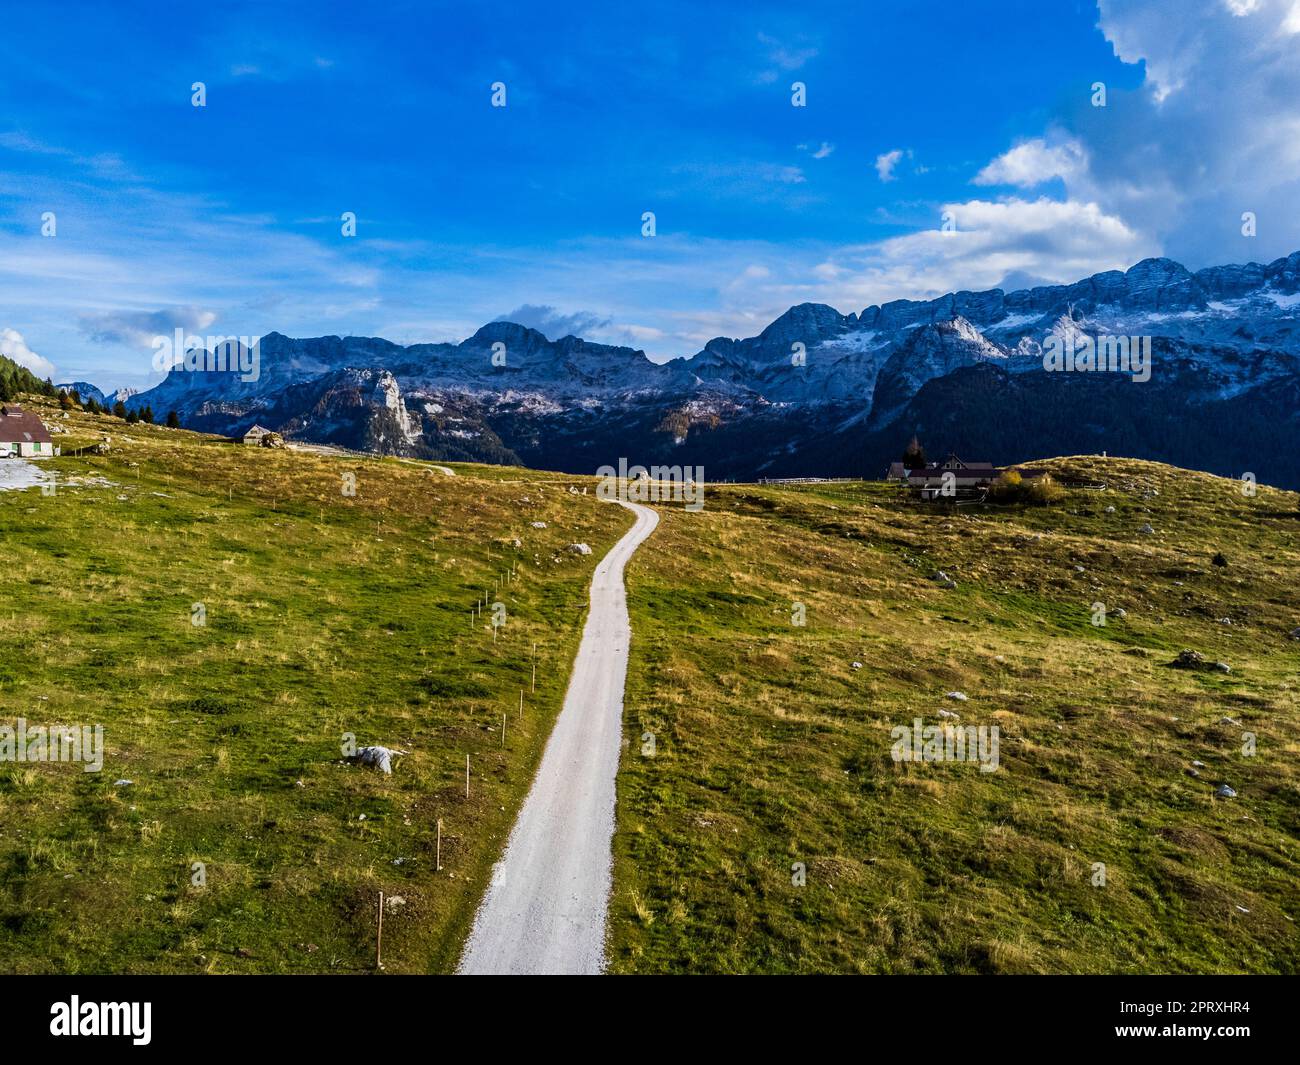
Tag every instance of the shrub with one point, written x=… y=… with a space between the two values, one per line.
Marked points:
x=1043 y=491
x=1007 y=488
x=1011 y=487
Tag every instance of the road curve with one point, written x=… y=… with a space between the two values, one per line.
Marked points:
x=544 y=911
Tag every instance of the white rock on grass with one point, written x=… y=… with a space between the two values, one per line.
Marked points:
x=1146 y=528
x=961 y=697
x=538 y=524
x=949 y=713
x=1225 y=792
x=381 y=757
x=580 y=549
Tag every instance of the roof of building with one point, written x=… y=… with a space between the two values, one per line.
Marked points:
x=20 y=426
x=260 y=430
x=974 y=471
x=962 y=473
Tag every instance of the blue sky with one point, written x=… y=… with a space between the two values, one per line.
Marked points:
x=225 y=219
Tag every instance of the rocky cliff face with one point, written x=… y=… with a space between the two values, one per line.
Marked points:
x=817 y=391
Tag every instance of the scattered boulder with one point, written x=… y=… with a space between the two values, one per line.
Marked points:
x=1225 y=792
x=961 y=697
x=1295 y=633
x=951 y=714
x=1119 y=612
x=1110 y=509
x=580 y=549
x=271 y=440
x=538 y=524
x=1197 y=661
x=857 y=665
x=381 y=757
x=1146 y=528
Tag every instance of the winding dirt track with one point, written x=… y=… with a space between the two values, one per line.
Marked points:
x=544 y=911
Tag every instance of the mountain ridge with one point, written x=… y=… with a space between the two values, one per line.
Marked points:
x=754 y=406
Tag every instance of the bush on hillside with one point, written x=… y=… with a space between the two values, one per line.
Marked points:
x=1011 y=487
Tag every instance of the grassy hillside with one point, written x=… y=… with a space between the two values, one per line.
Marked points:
x=771 y=749
x=325 y=614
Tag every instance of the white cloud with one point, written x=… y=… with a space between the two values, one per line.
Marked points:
x=786 y=56
x=1213 y=132
x=138 y=329
x=886 y=162
x=1058 y=241
x=13 y=346
x=824 y=150
x=554 y=324
x=1035 y=162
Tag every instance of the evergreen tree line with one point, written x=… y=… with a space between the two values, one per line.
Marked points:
x=15 y=379
x=71 y=400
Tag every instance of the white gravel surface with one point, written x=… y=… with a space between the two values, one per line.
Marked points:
x=544 y=911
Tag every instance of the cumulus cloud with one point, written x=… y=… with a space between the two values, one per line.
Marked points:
x=1044 y=239
x=137 y=329
x=13 y=346
x=1213 y=132
x=1035 y=162
x=554 y=324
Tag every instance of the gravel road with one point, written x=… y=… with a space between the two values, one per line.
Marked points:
x=544 y=911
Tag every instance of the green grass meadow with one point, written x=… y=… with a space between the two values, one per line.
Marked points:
x=771 y=749
x=326 y=614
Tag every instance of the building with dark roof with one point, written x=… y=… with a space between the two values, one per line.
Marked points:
x=22 y=433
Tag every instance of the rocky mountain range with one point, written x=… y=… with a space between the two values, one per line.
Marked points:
x=817 y=392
